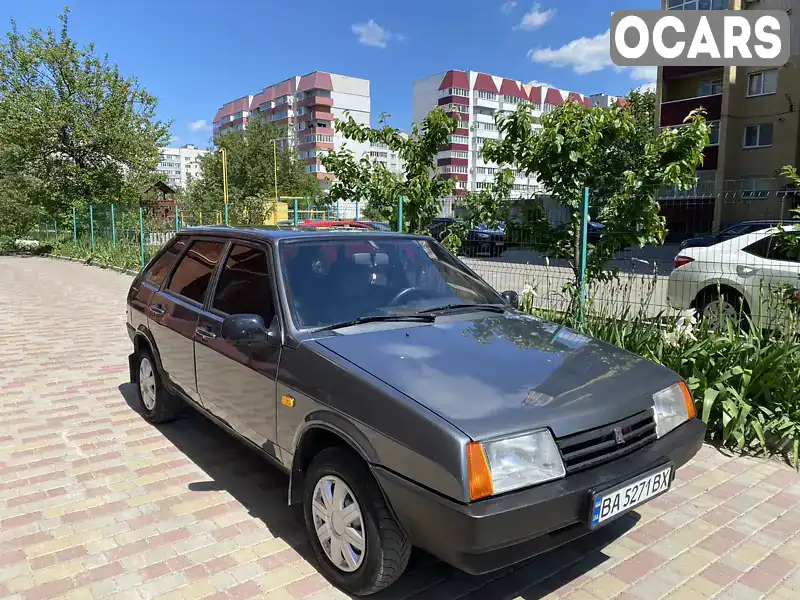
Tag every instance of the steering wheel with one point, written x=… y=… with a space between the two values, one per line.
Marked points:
x=401 y=295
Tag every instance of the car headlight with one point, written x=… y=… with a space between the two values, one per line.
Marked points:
x=512 y=463
x=672 y=407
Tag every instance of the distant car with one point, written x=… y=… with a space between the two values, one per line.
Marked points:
x=733 y=231
x=479 y=239
x=731 y=278
x=408 y=402
x=377 y=225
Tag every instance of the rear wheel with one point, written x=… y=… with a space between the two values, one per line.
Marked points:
x=717 y=308
x=358 y=544
x=158 y=405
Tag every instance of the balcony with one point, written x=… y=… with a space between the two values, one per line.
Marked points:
x=675 y=111
x=315 y=101
x=493 y=104
x=673 y=71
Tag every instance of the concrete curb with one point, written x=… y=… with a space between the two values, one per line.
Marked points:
x=90 y=264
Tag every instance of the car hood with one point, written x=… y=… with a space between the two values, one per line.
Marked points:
x=499 y=374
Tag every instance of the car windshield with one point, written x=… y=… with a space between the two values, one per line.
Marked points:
x=331 y=281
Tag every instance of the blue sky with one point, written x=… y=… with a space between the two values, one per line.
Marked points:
x=196 y=55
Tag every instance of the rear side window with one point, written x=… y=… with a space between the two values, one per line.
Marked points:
x=244 y=287
x=193 y=274
x=156 y=274
x=759 y=248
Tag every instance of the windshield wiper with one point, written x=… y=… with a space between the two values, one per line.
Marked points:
x=378 y=318
x=499 y=308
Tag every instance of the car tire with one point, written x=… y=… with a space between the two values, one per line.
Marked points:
x=338 y=477
x=714 y=306
x=158 y=404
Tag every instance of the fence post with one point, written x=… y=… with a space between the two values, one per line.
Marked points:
x=141 y=233
x=74 y=225
x=177 y=220
x=308 y=205
x=356 y=210
x=295 y=212
x=400 y=214
x=226 y=216
x=55 y=225
x=113 y=228
x=582 y=269
x=91 y=225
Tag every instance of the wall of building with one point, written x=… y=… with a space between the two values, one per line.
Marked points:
x=180 y=164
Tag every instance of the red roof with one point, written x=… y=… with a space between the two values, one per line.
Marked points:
x=284 y=88
x=536 y=94
x=553 y=97
x=485 y=83
x=512 y=88
x=586 y=101
x=266 y=95
x=622 y=101
x=232 y=108
x=455 y=79
x=575 y=97
x=315 y=81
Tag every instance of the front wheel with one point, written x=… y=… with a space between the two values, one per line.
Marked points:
x=357 y=542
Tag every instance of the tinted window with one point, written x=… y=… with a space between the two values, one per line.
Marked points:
x=785 y=246
x=330 y=281
x=159 y=269
x=193 y=274
x=244 y=286
x=759 y=248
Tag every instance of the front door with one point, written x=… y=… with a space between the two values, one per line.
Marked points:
x=174 y=311
x=237 y=383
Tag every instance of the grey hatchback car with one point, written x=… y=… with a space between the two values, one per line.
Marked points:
x=408 y=401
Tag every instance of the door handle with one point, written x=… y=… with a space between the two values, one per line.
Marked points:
x=205 y=333
x=157 y=310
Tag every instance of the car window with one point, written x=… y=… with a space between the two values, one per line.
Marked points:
x=193 y=274
x=735 y=230
x=330 y=281
x=759 y=248
x=157 y=272
x=244 y=286
x=785 y=246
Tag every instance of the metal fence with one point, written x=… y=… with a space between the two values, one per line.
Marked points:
x=738 y=268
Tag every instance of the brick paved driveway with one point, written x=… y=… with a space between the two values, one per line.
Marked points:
x=96 y=503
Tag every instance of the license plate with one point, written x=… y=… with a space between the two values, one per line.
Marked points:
x=609 y=504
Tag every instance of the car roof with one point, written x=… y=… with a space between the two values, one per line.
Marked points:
x=290 y=234
x=749 y=238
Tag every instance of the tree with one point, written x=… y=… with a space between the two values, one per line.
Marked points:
x=251 y=174
x=421 y=186
x=576 y=148
x=73 y=129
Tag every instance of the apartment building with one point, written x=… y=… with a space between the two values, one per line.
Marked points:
x=475 y=98
x=180 y=164
x=306 y=107
x=755 y=130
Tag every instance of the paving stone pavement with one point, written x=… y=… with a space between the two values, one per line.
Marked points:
x=97 y=503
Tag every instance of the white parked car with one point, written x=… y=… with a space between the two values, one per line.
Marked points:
x=735 y=276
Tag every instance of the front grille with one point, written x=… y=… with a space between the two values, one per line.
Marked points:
x=597 y=446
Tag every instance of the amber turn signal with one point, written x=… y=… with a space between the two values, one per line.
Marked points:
x=480 y=478
x=687 y=398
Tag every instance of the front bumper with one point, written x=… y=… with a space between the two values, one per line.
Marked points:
x=491 y=534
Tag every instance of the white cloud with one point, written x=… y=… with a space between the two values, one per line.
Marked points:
x=588 y=55
x=372 y=34
x=200 y=125
x=644 y=73
x=508 y=7
x=540 y=83
x=584 y=55
x=536 y=18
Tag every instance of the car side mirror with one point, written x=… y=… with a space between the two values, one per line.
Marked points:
x=511 y=297
x=250 y=329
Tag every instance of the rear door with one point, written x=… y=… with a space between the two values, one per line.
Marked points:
x=176 y=307
x=237 y=383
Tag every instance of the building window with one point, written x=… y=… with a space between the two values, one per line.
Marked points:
x=755 y=186
x=697 y=5
x=713 y=135
x=487 y=126
x=511 y=99
x=461 y=108
x=762 y=83
x=458 y=139
x=709 y=88
x=758 y=136
x=548 y=107
x=485 y=95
